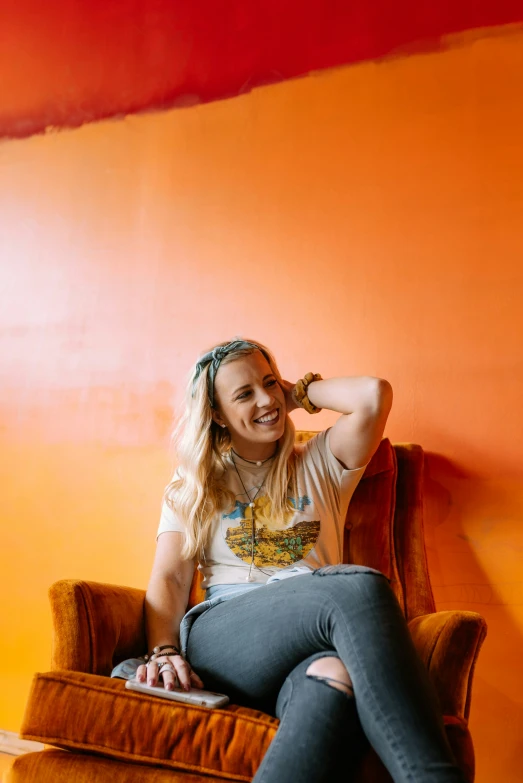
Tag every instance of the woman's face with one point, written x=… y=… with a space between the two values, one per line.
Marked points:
x=250 y=401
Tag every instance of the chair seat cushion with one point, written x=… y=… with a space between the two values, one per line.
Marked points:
x=98 y=715
x=64 y=766
x=87 y=712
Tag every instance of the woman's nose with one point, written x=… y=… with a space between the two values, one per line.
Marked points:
x=264 y=398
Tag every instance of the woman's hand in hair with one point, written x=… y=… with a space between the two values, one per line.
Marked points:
x=287 y=388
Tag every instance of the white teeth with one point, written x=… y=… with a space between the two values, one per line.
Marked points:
x=269 y=417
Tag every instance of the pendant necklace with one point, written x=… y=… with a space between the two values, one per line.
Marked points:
x=249 y=577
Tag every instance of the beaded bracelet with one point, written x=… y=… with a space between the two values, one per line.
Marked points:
x=299 y=392
x=160 y=650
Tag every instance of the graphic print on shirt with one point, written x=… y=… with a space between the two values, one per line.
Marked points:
x=278 y=548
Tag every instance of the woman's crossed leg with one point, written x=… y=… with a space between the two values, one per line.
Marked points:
x=249 y=646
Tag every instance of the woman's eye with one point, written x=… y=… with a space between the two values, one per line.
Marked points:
x=245 y=394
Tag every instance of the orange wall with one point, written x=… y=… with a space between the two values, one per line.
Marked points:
x=366 y=220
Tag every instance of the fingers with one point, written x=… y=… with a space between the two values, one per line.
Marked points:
x=177 y=674
x=141 y=673
x=195 y=680
x=183 y=671
x=152 y=673
x=169 y=677
x=183 y=676
x=188 y=678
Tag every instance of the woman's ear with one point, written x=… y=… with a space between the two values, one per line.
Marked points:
x=217 y=418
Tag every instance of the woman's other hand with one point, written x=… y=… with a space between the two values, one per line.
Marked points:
x=287 y=388
x=178 y=673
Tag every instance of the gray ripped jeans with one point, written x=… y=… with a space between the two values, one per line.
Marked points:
x=257 y=647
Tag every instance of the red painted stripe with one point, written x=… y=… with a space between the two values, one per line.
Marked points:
x=66 y=62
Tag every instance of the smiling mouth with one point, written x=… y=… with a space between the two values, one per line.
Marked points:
x=270 y=418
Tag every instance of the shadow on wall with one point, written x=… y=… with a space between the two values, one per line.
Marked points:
x=468 y=523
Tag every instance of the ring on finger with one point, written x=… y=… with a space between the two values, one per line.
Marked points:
x=167 y=667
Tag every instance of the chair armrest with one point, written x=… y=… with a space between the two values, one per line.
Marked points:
x=448 y=644
x=95 y=625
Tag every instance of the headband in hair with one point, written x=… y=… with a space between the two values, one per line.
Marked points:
x=214 y=358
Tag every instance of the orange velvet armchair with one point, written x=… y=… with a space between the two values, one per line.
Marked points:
x=102 y=732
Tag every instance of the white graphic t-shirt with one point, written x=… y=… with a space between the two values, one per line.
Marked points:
x=313 y=535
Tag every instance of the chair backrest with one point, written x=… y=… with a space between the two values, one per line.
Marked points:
x=409 y=537
x=384 y=525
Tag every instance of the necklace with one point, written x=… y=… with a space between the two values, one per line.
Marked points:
x=249 y=577
x=258 y=462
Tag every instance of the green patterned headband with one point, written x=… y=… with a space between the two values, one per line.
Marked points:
x=214 y=358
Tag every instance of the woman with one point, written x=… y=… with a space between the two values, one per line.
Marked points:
x=331 y=657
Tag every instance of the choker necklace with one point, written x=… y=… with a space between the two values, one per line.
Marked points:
x=258 y=462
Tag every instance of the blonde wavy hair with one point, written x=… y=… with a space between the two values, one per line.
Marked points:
x=196 y=491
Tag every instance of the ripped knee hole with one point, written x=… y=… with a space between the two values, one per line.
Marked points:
x=332 y=672
x=340 y=686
